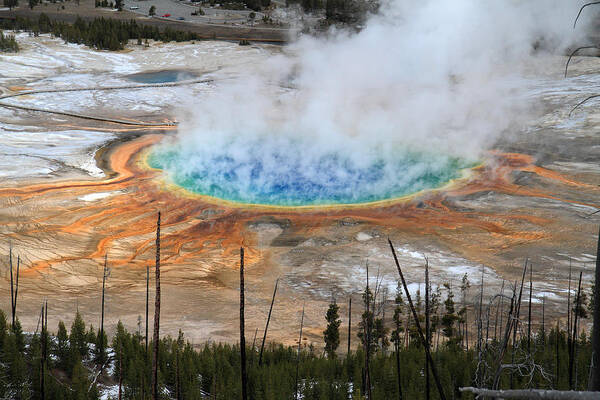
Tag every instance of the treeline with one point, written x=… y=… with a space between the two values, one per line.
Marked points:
x=100 y=33
x=8 y=43
x=68 y=365
x=340 y=11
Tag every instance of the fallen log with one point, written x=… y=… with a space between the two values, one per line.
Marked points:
x=530 y=394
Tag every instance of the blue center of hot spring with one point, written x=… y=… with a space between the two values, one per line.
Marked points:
x=284 y=176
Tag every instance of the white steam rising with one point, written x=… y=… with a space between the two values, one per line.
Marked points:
x=437 y=76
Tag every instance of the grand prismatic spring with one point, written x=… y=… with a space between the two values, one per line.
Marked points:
x=308 y=155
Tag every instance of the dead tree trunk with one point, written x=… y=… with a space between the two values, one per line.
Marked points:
x=529 y=314
x=349 y=323
x=177 y=375
x=242 y=334
x=506 y=338
x=44 y=337
x=418 y=325
x=14 y=286
x=120 y=370
x=147 y=301
x=298 y=355
x=530 y=394
x=101 y=344
x=254 y=341
x=427 y=336
x=12 y=294
x=516 y=324
x=479 y=376
x=156 y=315
x=557 y=355
x=574 y=336
x=543 y=329
x=368 y=340
x=262 y=346
x=569 y=321
x=398 y=366
x=594 y=384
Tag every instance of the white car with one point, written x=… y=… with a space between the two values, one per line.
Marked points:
x=134 y=8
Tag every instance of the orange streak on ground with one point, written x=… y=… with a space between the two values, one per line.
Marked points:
x=128 y=219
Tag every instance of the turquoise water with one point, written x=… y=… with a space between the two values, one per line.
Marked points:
x=287 y=176
x=166 y=76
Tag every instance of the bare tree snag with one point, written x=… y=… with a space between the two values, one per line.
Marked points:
x=262 y=346
x=427 y=335
x=349 y=323
x=574 y=336
x=416 y=318
x=368 y=340
x=147 y=301
x=529 y=314
x=242 y=334
x=581 y=9
x=14 y=286
x=530 y=394
x=298 y=355
x=101 y=344
x=156 y=315
x=594 y=384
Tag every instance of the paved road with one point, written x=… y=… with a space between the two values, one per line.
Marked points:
x=179 y=9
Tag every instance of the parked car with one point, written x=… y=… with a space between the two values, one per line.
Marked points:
x=181 y=18
x=166 y=15
x=134 y=8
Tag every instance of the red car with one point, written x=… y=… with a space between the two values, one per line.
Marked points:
x=166 y=15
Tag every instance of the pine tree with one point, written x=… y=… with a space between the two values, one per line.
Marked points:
x=3 y=329
x=449 y=318
x=332 y=333
x=19 y=337
x=16 y=374
x=366 y=324
x=77 y=338
x=61 y=348
x=397 y=318
x=462 y=313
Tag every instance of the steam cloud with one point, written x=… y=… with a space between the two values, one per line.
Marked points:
x=432 y=77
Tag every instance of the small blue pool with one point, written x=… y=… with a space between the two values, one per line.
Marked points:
x=166 y=76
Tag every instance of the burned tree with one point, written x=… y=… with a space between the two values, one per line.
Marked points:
x=349 y=323
x=147 y=301
x=14 y=285
x=262 y=346
x=298 y=355
x=416 y=319
x=156 y=315
x=594 y=384
x=100 y=341
x=242 y=334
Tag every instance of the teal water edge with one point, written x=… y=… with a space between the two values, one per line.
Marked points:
x=284 y=176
